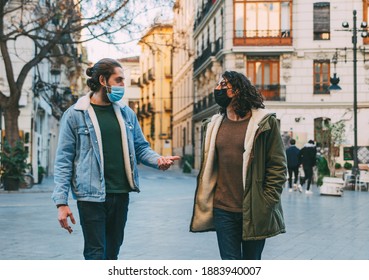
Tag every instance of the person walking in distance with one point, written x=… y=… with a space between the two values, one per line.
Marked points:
x=243 y=170
x=293 y=164
x=99 y=146
x=307 y=157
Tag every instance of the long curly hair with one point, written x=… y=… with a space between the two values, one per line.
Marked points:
x=247 y=96
x=103 y=67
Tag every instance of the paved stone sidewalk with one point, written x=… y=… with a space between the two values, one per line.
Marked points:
x=318 y=227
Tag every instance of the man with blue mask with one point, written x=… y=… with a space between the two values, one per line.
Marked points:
x=115 y=93
x=99 y=145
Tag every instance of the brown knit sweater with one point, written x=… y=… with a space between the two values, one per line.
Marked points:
x=230 y=147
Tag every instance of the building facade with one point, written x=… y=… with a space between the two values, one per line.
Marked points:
x=183 y=57
x=50 y=87
x=285 y=48
x=155 y=109
x=132 y=73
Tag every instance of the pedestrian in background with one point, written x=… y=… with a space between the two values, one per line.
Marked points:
x=99 y=145
x=242 y=172
x=293 y=164
x=307 y=157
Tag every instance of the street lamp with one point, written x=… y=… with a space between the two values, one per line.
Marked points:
x=55 y=74
x=364 y=34
x=334 y=80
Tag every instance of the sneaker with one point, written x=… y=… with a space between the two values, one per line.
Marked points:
x=299 y=188
x=290 y=190
x=308 y=192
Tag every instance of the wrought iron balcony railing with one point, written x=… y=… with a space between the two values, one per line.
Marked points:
x=273 y=92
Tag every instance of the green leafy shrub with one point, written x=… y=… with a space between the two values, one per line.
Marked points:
x=13 y=160
x=323 y=170
x=347 y=165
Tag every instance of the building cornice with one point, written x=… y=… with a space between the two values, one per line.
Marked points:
x=313 y=105
x=261 y=50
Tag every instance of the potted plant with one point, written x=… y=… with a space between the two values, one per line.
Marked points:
x=323 y=170
x=338 y=170
x=347 y=165
x=41 y=173
x=13 y=165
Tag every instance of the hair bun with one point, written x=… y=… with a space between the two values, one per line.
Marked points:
x=92 y=85
x=89 y=71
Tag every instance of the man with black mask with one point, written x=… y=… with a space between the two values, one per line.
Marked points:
x=242 y=173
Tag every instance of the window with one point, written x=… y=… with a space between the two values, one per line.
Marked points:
x=268 y=20
x=321 y=76
x=263 y=72
x=322 y=21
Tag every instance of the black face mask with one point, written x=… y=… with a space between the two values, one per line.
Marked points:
x=221 y=97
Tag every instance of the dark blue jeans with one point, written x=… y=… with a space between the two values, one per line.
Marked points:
x=295 y=172
x=308 y=170
x=103 y=226
x=228 y=226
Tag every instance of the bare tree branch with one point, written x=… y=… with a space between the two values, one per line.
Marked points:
x=63 y=25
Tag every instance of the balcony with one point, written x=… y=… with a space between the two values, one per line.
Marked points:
x=143 y=111
x=202 y=14
x=272 y=92
x=204 y=103
x=218 y=45
x=262 y=38
x=139 y=82
x=151 y=74
x=203 y=57
x=167 y=106
x=139 y=112
x=150 y=108
x=144 y=79
x=165 y=136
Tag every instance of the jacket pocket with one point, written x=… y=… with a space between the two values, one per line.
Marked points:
x=84 y=140
x=263 y=197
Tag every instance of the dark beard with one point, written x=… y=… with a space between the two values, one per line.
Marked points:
x=105 y=95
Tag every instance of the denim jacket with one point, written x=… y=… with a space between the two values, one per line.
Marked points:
x=79 y=163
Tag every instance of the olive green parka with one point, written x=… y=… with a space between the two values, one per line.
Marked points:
x=264 y=174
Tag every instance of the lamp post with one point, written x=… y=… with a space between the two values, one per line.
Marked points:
x=364 y=33
x=354 y=42
x=55 y=74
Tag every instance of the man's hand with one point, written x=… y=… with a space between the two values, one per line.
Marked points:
x=166 y=162
x=63 y=214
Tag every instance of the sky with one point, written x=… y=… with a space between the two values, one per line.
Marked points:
x=97 y=50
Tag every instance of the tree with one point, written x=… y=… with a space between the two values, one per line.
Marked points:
x=51 y=26
x=335 y=137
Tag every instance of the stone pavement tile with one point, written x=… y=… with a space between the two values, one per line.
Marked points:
x=318 y=227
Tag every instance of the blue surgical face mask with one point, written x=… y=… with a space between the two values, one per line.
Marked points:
x=116 y=93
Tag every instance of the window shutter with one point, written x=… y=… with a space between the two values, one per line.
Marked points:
x=322 y=17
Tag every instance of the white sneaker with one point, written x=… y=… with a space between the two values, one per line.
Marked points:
x=299 y=188
x=308 y=192
x=290 y=190
x=295 y=187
